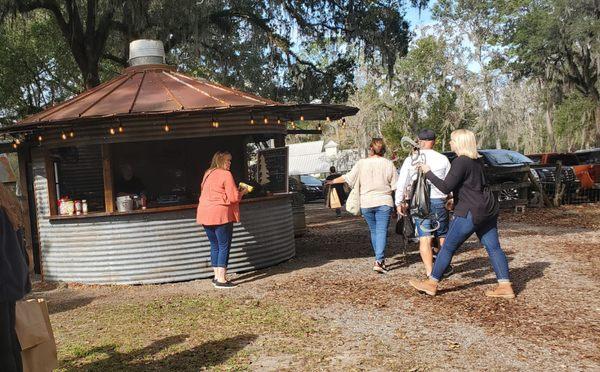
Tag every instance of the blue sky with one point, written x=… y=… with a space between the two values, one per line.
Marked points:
x=416 y=20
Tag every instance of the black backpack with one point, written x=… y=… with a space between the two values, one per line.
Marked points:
x=420 y=200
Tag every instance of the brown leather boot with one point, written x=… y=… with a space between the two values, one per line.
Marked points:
x=503 y=290
x=428 y=286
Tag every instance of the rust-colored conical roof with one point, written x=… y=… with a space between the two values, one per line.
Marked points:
x=150 y=90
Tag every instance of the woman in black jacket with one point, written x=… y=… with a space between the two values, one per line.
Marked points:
x=14 y=279
x=473 y=213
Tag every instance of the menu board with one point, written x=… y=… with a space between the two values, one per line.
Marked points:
x=272 y=169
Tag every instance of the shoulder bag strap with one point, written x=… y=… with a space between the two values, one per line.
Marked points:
x=205 y=178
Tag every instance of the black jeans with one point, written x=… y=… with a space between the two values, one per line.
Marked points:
x=10 y=349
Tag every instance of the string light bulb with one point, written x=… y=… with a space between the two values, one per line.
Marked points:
x=63 y=135
x=112 y=131
x=121 y=129
x=166 y=128
x=266 y=120
x=15 y=145
x=40 y=138
x=17 y=141
x=71 y=133
x=252 y=122
x=215 y=123
x=301 y=117
x=278 y=121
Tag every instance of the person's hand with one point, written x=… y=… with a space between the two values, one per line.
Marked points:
x=399 y=210
x=243 y=190
x=329 y=182
x=424 y=168
x=402 y=209
x=449 y=204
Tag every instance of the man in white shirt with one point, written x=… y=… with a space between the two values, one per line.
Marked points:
x=440 y=165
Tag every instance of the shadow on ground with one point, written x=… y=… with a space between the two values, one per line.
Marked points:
x=57 y=301
x=206 y=355
x=520 y=277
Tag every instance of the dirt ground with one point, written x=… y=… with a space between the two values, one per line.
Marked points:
x=326 y=309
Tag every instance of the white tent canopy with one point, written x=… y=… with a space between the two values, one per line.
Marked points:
x=315 y=157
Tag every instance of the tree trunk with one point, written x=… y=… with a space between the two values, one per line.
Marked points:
x=549 y=126
x=91 y=76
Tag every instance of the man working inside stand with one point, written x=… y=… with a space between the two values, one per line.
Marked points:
x=128 y=183
x=426 y=228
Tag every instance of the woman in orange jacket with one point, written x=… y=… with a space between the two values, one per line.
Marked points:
x=218 y=209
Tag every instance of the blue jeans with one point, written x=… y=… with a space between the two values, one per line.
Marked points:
x=461 y=228
x=378 y=219
x=220 y=243
x=439 y=215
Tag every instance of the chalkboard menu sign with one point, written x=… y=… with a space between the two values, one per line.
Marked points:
x=272 y=169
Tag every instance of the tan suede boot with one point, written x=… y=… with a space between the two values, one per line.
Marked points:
x=428 y=286
x=503 y=290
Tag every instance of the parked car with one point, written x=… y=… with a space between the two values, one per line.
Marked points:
x=311 y=187
x=589 y=156
x=507 y=172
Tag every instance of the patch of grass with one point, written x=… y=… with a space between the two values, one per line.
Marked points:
x=179 y=333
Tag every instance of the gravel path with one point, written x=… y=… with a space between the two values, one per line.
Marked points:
x=368 y=321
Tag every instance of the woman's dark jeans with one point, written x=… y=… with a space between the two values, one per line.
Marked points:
x=220 y=243
x=10 y=350
x=461 y=228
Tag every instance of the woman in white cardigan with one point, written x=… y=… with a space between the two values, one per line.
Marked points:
x=375 y=177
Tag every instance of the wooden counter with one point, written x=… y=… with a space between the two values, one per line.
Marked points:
x=160 y=209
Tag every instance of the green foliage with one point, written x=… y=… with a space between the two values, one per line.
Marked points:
x=426 y=95
x=558 y=42
x=34 y=69
x=285 y=50
x=573 y=120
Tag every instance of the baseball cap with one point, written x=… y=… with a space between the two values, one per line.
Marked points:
x=427 y=135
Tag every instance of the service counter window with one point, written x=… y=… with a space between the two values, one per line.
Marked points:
x=167 y=173
x=154 y=175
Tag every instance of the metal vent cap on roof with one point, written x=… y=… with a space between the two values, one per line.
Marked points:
x=146 y=52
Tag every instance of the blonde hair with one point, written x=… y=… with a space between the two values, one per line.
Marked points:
x=465 y=143
x=218 y=160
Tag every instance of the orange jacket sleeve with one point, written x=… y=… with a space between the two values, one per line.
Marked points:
x=231 y=190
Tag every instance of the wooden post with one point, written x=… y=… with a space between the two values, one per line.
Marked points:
x=537 y=186
x=559 y=186
x=279 y=141
x=109 y=201
x=23 y=155
x=51 y=178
